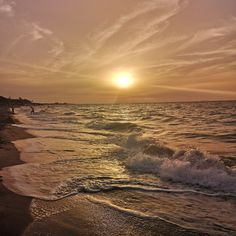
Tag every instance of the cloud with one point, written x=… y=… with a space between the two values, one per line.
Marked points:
x=197 y=90
x=86 y=58
x=162 y=41
x=103 y=35
x=26 y=68
x=225 y=29
x=37 y=32
x=58 y=48
x=101 y=55
x=6 y=8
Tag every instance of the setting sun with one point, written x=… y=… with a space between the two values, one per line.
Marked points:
x=123 y=80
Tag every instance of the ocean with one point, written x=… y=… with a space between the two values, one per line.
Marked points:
x=169 y=161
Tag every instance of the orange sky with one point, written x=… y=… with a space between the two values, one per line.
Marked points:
x=60 y=50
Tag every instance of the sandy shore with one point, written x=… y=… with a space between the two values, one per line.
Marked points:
x=79 y=216
x=75 y=215
x=14 y=209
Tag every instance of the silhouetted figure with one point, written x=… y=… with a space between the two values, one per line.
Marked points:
x=32 y=110
x=12 y=109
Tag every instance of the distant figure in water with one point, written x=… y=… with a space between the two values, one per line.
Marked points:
x=12 y=109
x=32 y=110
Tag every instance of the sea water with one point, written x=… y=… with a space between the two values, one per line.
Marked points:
x=173 y=161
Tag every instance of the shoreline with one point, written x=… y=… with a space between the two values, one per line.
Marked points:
x=82 y=217
x=14 y=209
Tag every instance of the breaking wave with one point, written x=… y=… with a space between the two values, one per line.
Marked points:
x=186 y=166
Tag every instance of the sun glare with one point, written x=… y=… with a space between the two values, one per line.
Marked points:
x=123 y=80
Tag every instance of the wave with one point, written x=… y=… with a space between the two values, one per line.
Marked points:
x=92 y=185
x=43 y=185
x=142 y=155
x=114 y=126
x=191 y=166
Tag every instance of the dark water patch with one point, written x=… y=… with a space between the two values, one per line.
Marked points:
x=196 y=135
x=69 y=113
x=114 y=126
x=228 y=138
x=232 y=122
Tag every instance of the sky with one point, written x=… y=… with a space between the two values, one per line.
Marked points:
x=69 y=50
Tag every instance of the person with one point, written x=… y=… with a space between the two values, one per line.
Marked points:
x=12 y=109
x=32 y=110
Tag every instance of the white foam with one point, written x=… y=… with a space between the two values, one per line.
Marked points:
x=190 y=167
x=20 y=179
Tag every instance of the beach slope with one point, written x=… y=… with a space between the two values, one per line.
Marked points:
x=14 y=209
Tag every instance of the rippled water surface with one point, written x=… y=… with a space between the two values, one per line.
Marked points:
x=174 y=161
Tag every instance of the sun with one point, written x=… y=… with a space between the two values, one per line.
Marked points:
x=123 y=80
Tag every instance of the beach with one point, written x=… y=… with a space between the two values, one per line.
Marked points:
x=14 y=209
x=59 y=194
x=118 y=118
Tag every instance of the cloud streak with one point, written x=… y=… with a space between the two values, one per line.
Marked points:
x=6 y=8
x=161 y=41
x=37 y=32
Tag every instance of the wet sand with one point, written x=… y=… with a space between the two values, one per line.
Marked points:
x=75 y=215
x=14 y=209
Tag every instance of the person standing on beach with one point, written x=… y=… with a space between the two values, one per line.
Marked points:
x=32 y=110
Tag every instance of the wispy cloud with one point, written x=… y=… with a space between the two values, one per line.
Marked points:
x=25 y=68
x=37 y=32
x=58 y=48
x=103 y=35
x=6 y=8
x=197 y=90
x=224 y=29
x=172 y=6
x=141 y=41
x=162 y=41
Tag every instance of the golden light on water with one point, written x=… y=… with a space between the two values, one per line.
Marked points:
x=123 y=80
